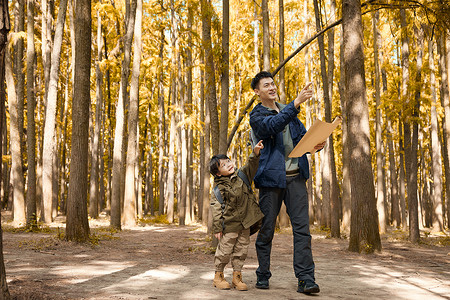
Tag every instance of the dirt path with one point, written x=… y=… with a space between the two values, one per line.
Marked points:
x=172 y=262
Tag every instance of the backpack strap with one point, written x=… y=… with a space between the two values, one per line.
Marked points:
x=245 y=179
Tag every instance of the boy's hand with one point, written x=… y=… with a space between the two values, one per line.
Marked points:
x=218 y=235
x=258 y=147
x=304 y=95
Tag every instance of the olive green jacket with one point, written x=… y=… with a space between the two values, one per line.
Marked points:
x=241 y=208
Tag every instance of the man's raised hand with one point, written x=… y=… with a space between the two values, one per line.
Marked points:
x=304 y=95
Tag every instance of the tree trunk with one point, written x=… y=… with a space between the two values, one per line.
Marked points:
x=447 y=54
x=17 y=178
x=413 y=203
x=438 y=219
x=119 y=134
x=378 y=139
x=326 y=170
x=282 y=83
x=346 y=187
x=77 y=228
x=189 y=132
x=210 y=87
x=31 y=125
x=225 y=78
x=49 y=143
x=256 y=39
x=4 y=29
x=171 y=171
x=266 y=35
x=161 y=126
x=395 y=210
x=364 y=235
x=129 y=211
x=94 y=189
x=19 y=26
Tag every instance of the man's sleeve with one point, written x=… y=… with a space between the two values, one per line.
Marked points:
x=267 y=126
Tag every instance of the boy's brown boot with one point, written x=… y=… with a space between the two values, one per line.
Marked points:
x=220 y=282
x=237 y=281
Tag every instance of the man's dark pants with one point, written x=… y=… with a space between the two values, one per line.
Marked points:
x=296 y=200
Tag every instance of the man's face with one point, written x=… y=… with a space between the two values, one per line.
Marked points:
x=226 y=167
x=266 y=89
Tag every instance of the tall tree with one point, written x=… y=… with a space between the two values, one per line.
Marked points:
x=413 y=203
x=119 y=134
x=378 y=139
x=364 y=235
x=4 y=29
x=16 y=155
x=438 y=222
x=129 y=211
x=210 y=86
x=31 y=125
x=282 y=81
x=19 y=26
x=225 y=76
x=435 y=141
x=49 y=142
x=95 y=155
x=161 y=124
x=77 y=226
x=190 y=203
x=266 y=35
x=326 y=170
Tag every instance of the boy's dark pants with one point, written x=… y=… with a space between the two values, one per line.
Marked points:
x=296 y=200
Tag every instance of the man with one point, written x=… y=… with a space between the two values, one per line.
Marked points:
x=280 y=178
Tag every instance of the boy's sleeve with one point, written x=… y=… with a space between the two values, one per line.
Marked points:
x=251 y=166
x=216 y=209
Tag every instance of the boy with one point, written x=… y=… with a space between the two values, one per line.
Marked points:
x=233 y=215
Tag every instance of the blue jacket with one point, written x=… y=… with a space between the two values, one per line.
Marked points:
x=268 y=126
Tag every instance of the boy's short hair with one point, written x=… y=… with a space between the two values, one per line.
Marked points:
x=214 y=163
x=258 y=77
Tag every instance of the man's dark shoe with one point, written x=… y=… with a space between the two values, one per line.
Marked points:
x=308 y=286
x=262 y=284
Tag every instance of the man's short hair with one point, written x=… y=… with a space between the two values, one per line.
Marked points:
x=214 y=163
x=258 y=77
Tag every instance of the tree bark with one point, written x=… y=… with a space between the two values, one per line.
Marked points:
x=225 y=78
x=395 y=206
x=346 y=187
x=31 y=125
x=49 y=142
x=266 y=35
x=94 y=182
x=282 y=81
x=190 y=190
x=19 y=26
x=381 y=203
x=4 y=29
x=210 y=87
x=438 y=218
x=161 y=126
x=17 y=178
x=413 y=203
x=325 y=221
x=119 y=134
x=77 y=228
x=129 y=211
x=364 y=235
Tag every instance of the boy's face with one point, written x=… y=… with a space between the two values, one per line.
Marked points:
x=226 y=167
x=266 y=89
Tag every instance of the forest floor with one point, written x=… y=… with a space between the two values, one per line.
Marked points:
x=158 y=261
